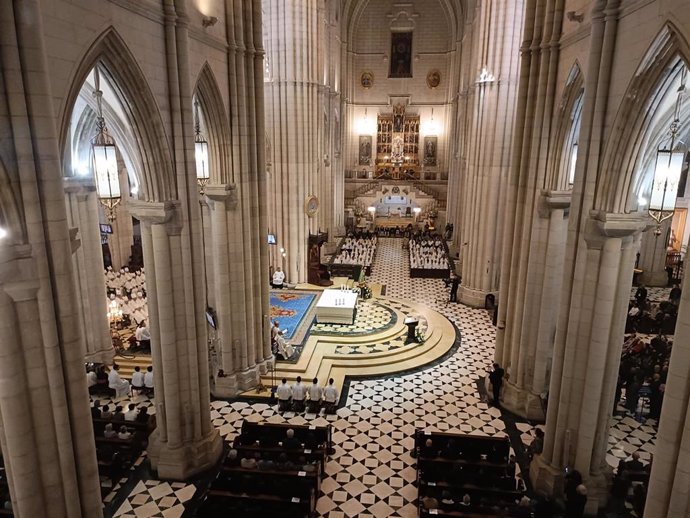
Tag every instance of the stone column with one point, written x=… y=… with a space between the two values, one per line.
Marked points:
x=668 y=485
x=294 y=123
x=587 y=356
x=238 y=358
x=184 y=442
x=527 y=337
x=489 y=123
x=653 y=255
x=82 y=213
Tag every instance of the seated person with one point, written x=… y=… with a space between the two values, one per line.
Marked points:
x=131 y=414
x=250 y=462
x=233 y=459
x=290 y=442
x=124 y=434
x=447 y=502
x=137 y=380
x=428 y=449
x=109 y=432
x=118 y=415
x=106 y=413
x=115 y=382
x=96 y=410
x=143 y=415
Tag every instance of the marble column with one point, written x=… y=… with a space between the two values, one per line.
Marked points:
x=184 y=442
x=491 y=90
x=526 y=338
x=653 y=250
x=294 y=121
x=587 y=356
x=82 y=213
x=668 y=484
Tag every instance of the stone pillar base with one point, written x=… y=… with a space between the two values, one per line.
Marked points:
x=106 y=356
x=266 y=366
x=522 y=402
x=547 y=479
x=248 y=379
x=187 y=460
x=226 y=386
x=657 y=279
x=474 y=298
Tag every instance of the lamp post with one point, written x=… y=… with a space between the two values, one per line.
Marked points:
x=203 y=174
x=104 y=160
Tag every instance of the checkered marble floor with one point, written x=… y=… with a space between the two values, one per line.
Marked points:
x=372 y=472
x=370 y=317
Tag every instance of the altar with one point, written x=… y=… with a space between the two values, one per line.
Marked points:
x=336 y=307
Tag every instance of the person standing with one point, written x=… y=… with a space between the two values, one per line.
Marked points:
x=315 y=393
x=330 y=397
x=148 y=380
x=454 y=284
x=284 y=394
x=278 y=278
x=496 y=379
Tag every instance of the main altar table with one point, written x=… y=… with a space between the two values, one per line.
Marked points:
x=336 y=307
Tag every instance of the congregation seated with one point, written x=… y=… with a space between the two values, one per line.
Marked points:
x=357 y=248
x=428 y=253
x=259 y=479
x=462 y=475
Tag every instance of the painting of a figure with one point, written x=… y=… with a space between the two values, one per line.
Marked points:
x=430 y=145
x=364 y=149
x=401 y=54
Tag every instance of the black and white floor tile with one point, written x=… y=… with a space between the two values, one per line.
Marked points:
x=372 y=472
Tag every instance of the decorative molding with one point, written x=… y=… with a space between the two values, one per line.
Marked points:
x=226 y=193
x=143 y=8
x=158 y=213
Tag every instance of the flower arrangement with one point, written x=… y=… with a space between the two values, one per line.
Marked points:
x=364 y=290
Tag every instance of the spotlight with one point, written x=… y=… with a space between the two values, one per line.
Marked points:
x=3 y=233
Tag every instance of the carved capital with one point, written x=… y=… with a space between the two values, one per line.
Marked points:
x=551 y=200
x=223 y=193
x=601 y=226
x=158 y=213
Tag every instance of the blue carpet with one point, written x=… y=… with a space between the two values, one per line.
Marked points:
x=289 y=308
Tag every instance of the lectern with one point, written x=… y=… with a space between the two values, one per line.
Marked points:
x=411 y=324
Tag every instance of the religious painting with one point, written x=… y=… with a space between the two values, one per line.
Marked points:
x=430 y=146
x=401 y=54
x=433 y=79
x=364 y=149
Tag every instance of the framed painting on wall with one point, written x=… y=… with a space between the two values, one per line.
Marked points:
x=430 y=148
x=401 y=54
x=364 y=149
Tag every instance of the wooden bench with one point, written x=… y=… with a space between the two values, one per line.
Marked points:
x=318 y=455
x=278 y=431
x=477 y=458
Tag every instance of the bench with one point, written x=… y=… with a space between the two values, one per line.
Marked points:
x=323 y=434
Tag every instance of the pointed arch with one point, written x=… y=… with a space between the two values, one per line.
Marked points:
x=219 y=132
x=568 y=116
x=157 y=181
x=655 y=75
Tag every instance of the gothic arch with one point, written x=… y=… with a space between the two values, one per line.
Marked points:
x=219 y=133
x=157 y=180
x=650 y=84
x=567 y=130
x=354 y=9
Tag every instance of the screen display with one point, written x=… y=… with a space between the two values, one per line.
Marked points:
x=271 y=239
x=106 y=228
x=211 y=317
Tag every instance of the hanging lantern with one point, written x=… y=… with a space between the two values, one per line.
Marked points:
x=104 y=162
x=203 y=173
x=668 y=167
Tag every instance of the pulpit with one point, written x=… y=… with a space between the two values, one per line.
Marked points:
x=317 y=273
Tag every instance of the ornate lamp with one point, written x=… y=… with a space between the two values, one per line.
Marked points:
x=667 y=170
x=203 y=173
x=104 y=161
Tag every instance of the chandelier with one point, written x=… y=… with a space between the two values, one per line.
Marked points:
x=104 y=160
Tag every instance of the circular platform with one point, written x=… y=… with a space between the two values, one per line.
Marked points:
x=374 y=345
